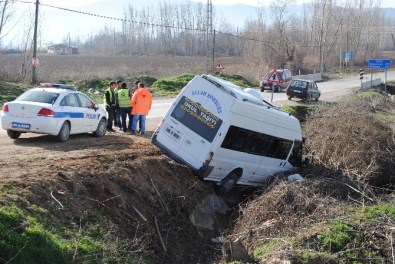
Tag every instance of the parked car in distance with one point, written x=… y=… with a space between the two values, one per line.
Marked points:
x=267 y=82
x=56 y=110
x=303 y=89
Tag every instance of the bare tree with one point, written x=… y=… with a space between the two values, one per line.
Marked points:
x=6 y=12
x=281 y=15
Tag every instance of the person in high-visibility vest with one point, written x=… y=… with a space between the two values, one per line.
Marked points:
x=141 y=104
x=109 y=102
x=124 y=106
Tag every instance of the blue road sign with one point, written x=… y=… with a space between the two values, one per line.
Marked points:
x=379 y=64
x=347 y=56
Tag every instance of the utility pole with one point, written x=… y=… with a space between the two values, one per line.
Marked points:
x=213 y=65
x=34 y=60
x=209 y=32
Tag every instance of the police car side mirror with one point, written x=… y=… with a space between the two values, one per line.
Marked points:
x=95 y=107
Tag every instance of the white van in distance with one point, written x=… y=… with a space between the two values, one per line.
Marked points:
x=229 y=135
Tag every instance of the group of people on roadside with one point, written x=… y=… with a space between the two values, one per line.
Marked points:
x=127 y=107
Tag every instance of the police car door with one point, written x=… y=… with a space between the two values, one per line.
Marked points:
x=91 y=116
x=70 y=109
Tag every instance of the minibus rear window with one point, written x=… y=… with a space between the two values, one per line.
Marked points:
x=192 y=115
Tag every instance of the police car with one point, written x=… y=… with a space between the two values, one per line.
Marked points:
x=53 y=109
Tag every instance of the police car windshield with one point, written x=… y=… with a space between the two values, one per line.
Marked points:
x=40 y=96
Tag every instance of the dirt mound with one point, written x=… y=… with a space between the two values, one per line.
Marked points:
x=140 y=197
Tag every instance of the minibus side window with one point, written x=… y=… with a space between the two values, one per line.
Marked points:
x=235 y=138
x=260 y=144
x=243 y=140
x=279 y=148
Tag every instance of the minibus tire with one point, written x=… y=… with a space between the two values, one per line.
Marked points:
x=227 y=183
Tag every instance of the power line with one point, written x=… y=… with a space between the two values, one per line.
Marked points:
x=115 y=18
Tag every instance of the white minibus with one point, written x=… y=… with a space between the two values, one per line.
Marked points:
x=229 y=135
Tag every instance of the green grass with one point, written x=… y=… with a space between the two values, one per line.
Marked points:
x=369 y=93
x=171 y=86
x=372 y=212
x=261 y=252
x=24 y=239
x=333 y=241
x=338 y=236
x=238 y=80
x=300 y=111
x=161 y=87
x=31 y=236
x=10 y=91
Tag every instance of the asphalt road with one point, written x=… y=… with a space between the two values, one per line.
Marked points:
x=330 y=88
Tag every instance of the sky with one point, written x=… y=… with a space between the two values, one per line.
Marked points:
x=57 y=24
x=75 y=3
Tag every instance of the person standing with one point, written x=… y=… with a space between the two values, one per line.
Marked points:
x=109 y=102
x=117 y=116
x=141 y=104
x=131 y=91
x=124 y=106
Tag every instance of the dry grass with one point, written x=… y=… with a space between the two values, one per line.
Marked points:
x=352 y=147
x=355 y=138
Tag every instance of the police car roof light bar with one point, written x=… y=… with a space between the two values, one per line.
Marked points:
x=58 y=85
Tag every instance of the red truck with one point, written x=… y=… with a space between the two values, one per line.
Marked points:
x=277 y=80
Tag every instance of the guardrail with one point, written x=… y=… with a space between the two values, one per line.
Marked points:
x=371 y=83
x=317 y=77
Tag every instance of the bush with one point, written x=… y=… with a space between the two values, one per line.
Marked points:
x=10 y=91
x=354 y=138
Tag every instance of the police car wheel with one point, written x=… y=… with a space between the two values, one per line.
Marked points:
x=101 y=128
x=13 y=134
x=227 y=183
x=64 y=132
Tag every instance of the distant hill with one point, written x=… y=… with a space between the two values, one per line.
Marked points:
x=389 y=12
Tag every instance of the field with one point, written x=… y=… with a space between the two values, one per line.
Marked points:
x=56 y=68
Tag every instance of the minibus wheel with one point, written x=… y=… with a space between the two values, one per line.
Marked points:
x=227 y=183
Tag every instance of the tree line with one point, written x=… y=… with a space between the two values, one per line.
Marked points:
x=306 y=37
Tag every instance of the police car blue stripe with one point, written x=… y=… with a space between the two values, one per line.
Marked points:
x=69 y=115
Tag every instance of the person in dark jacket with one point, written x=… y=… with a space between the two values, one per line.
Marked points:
x=109 y=102
x=117 y=116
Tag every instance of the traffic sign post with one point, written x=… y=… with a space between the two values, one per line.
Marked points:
x=275 y=78
x=384 y=64
x=361 y=72
x=379 y=64
x=219 y=66
x=35 y=62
